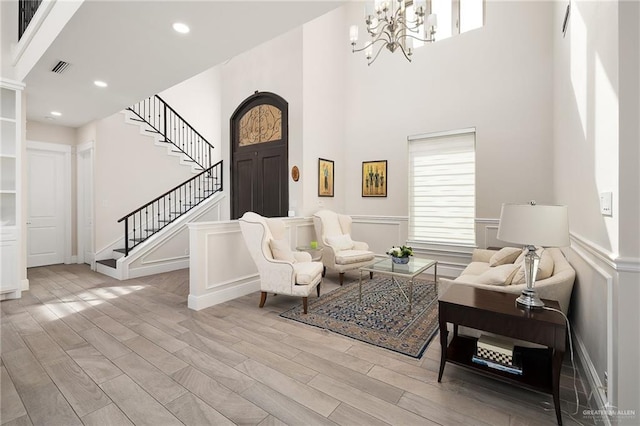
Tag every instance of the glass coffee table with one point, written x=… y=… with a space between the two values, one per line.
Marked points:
x=397 y=271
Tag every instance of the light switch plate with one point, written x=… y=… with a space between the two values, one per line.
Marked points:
x=606 y=203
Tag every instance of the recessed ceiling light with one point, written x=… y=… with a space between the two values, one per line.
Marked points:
x=56 y=113
x=181 y=28
x=100 y=83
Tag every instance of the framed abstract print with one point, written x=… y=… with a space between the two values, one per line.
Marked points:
x=374 y=178
x=325 y=178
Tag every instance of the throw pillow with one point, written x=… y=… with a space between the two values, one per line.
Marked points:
x=545 y=267
x=280 y=250
x=340 y=242
x=505 y=255
x=498 y=275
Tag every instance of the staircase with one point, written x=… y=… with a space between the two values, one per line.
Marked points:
x=163 y=120
x=167 y=209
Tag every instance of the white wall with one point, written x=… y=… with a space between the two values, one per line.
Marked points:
x=324 y=114
x=351 y=112
x=275 y=66
x=596 y=110
x=130 y=170
x=497 y=79
x=197 y=100
x=581 y=173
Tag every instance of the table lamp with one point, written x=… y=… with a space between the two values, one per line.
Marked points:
x=533 y=225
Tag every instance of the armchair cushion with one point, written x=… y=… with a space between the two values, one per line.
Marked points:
x=281 y=251
x=340 y=242
x=307 y=272
x=302 y=256
x=498 y=275
x=505 y=255
x=346 y=257
x=475 y=268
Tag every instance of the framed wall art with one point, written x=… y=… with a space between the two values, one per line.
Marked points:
x=374 y=178
x=325 y=178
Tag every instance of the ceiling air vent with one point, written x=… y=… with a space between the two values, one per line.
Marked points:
x=60 y=67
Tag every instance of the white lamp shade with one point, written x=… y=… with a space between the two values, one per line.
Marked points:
x=540 y=225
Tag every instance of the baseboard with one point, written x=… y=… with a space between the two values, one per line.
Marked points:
x=25 y=284
x=215 y=297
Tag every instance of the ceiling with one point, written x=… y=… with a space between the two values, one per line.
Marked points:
x=131 y=45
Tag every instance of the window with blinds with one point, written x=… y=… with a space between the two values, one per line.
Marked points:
x=442 y=194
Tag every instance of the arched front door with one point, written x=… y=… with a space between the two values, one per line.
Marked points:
x=259 y=156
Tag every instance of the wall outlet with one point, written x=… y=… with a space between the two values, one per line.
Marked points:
x=606 y=203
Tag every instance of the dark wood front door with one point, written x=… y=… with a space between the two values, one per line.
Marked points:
x=259 y=156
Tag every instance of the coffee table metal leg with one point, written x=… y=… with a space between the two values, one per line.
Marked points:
x=410 y=294
x=360 y=289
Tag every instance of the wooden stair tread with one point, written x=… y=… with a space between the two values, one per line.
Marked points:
x=107 y=262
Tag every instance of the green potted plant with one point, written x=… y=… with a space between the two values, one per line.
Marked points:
x=400 y=254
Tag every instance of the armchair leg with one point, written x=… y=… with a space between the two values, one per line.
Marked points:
x=263 y=298
x=318 y=289
x=341 y=277
x=370 y=275
x=304 y=305
x=324 y=271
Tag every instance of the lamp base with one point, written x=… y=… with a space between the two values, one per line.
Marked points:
x=529 y=300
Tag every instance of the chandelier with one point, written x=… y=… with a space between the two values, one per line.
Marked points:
x=395 y=25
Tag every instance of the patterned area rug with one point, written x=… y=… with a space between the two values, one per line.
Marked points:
x=383 y=317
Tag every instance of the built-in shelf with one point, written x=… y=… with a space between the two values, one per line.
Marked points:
x=10 y=184
x=8 y=209
x=7 y=174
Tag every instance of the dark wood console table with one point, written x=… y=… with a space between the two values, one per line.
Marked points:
x=497 y=313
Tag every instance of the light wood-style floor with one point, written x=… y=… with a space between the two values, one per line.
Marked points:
x=82 y=348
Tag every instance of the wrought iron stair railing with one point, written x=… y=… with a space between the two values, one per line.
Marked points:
x=26 y=11
x=164 y=120
x=151 y=218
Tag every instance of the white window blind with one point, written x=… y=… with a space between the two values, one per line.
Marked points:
x=442 y=188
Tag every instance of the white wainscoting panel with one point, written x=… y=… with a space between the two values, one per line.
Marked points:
x=593 y=316
x=380 y=232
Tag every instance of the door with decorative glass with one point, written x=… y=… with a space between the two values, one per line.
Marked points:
x=259 y=154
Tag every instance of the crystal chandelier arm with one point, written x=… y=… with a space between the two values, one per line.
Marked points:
x=381 y=22
x=371 y=43
x=404 y=52
x=425 y=40
x=378 y=53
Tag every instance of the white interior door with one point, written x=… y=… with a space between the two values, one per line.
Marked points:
x=85 y=204
x=45 y=207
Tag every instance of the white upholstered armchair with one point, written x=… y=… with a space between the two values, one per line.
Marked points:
x=340 y=252
x=282 y=271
